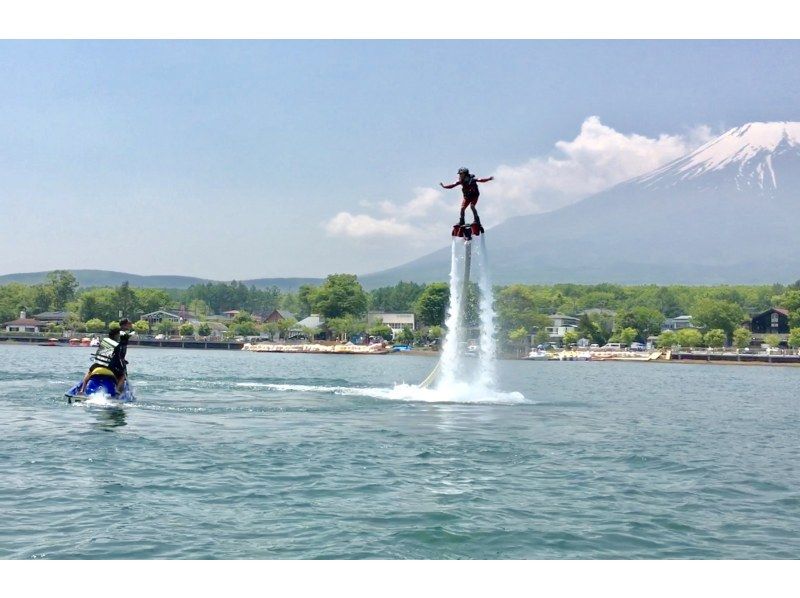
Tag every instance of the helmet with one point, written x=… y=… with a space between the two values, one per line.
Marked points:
x=463 y=170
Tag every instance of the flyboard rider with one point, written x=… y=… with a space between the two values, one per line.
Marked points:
x=109 y=359
x=469 y=188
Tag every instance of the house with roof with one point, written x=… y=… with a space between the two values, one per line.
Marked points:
x=156 y=317
x=677 y=323
x=395 y=321
x=278 y=315
x=775 y=320
x=52 y=317
x=24 y=324
x=313 y=322
x=560 y=325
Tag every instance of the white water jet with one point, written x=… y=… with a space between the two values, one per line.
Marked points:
x=488 y=344
x=450 y=359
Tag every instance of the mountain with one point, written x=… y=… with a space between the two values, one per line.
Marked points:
x=107 y=278
x=728 y=212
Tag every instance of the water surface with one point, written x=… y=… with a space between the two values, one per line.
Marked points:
x=235 y=455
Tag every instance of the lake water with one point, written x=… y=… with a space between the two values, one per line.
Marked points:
x=236 y=455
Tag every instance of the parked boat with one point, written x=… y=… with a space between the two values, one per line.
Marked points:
x=537 y=355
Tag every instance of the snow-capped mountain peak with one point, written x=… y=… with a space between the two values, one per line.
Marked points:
x=747 y=152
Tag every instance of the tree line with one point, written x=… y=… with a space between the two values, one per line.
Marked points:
x=522 y=310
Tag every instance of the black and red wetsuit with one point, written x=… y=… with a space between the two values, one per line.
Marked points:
x=470 y=190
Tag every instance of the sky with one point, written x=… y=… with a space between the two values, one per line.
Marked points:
x=250 y=159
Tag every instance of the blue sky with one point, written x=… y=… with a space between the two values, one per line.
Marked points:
x=238 y=159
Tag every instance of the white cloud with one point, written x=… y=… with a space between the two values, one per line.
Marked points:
x=365 y=226
x=596 y=159
x=417 y=221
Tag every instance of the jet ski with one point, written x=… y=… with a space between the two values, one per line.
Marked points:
x=101 y=384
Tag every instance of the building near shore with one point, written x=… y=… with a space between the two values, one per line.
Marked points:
x=561 y=324
x=395 y=321
x=279 y=315
x=24 y=324
x=775 y=321
x=52 y=317
x=677 y=323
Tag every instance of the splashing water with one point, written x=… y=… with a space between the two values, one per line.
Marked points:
x=459 y=378
x=450 y=359
x=488 y=347
x=457 y=392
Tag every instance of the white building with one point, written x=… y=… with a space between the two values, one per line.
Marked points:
x=24 y=324
x=678 y=323
x=561 y=324
x=394 y=321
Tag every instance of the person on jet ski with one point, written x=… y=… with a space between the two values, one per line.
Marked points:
x=469 y=188
x=109 y=359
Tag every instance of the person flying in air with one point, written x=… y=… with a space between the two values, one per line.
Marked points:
x=469 y=187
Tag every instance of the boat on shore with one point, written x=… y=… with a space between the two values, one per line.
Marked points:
x=627 y=355
x=342 y=349
x=537 y=355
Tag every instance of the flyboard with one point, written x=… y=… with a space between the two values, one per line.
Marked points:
x=467 y=232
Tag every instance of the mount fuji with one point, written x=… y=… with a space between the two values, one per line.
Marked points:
x=729 y=212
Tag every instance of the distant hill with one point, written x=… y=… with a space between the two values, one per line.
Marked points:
x=107 y=278
x=727 y=213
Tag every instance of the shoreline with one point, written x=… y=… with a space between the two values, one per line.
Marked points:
x=747 y=359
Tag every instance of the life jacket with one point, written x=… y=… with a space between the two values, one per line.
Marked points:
x=105 y=352
x=470 y=188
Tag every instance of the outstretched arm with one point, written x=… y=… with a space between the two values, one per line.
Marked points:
x=491 y=178
x=456 y=184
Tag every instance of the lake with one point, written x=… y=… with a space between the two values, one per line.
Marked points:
x=236 y=455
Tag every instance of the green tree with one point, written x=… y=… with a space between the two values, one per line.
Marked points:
x=381 y=330
x=204 y=329
x=95 y=325
x=645 y=320
x=199 y=307
x=62 y=285
x=141 y=327
x=521 y=306
x=406 y=335
x=125 y=300
x=435 y=332
x=794 y=337
x=186 y=329
x=594 y=328
x=285 y=325
x=431 y=305
x=689 y=337
x=715 y=337
x=340 y=295
x=741 y=337
x=12 y=300
x=772 y=340
x=717 y=313
x=344 y=326
x=627 y=335
x=519 y=337
x=166 y=327
x=571 y=338
x=541 y=337
x=150 y=300
x=399 y=298
x=39 y=298
x=243 y=325
x=667 y=339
